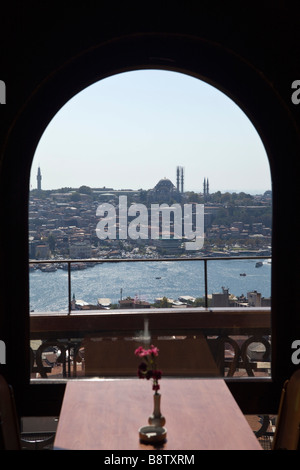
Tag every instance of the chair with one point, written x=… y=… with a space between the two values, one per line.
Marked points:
x=287 y=434
x=10 y=436
x=9 y=427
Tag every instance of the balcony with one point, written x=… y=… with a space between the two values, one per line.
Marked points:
x=230 y=342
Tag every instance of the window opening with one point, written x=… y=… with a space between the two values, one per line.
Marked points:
x=120 y=182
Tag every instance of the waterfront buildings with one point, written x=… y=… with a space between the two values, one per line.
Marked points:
x=64 y=222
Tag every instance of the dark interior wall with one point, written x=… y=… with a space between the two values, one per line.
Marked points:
x=50 y=51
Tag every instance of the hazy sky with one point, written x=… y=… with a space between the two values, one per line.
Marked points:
x=132 y=129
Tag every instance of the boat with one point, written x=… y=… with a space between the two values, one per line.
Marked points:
x=259 y=264
x=158 y=277
x=104 y=303
x=243 y=274
x=48 y=268
x=74 y=266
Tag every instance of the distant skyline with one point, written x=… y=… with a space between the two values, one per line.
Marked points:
x=132 y=129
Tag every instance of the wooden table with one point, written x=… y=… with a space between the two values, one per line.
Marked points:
x=201 y=414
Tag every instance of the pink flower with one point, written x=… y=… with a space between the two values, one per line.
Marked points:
x=153 y=350
x=147 y=369
x=140 y=351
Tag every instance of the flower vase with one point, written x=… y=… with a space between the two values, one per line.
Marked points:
x=157 y=419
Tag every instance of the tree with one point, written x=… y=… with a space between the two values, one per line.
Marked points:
x=85 y=190
x=199 y=302
x=51 y=242
x=143 y=195
x=164 y=303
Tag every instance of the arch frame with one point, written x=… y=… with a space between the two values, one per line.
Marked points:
x=222 y=68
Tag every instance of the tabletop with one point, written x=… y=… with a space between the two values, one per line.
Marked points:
x=201 y=414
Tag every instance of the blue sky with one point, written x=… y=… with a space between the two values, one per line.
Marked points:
x=134 y=128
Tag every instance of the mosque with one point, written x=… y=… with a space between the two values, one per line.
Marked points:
x=166 y=192
x=163 y=192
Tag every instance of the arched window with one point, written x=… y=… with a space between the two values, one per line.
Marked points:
x=155 y=167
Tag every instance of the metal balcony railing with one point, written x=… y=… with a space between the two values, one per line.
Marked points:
x=205 y=260
x=237 y=341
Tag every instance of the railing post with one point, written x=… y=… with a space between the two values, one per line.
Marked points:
x=69 y=289
x=205 y=282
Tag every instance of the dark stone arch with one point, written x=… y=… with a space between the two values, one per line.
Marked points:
x=230 y=72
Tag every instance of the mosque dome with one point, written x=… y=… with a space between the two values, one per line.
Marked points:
x=165 y=185
x=166 y=192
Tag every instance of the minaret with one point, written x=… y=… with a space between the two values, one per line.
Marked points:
x=182 y=179
x=205 y=189
x=73 y=303
x=39 y=179
x=177 y=178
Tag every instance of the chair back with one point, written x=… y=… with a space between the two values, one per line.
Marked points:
x=287 y=434
x=9 y=427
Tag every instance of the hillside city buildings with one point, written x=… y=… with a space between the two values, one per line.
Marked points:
x=62 y=225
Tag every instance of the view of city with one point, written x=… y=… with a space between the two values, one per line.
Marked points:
x=138 y=144
x=73 y=270
x=120 y=140
x=62 y=223
x=62 y=226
